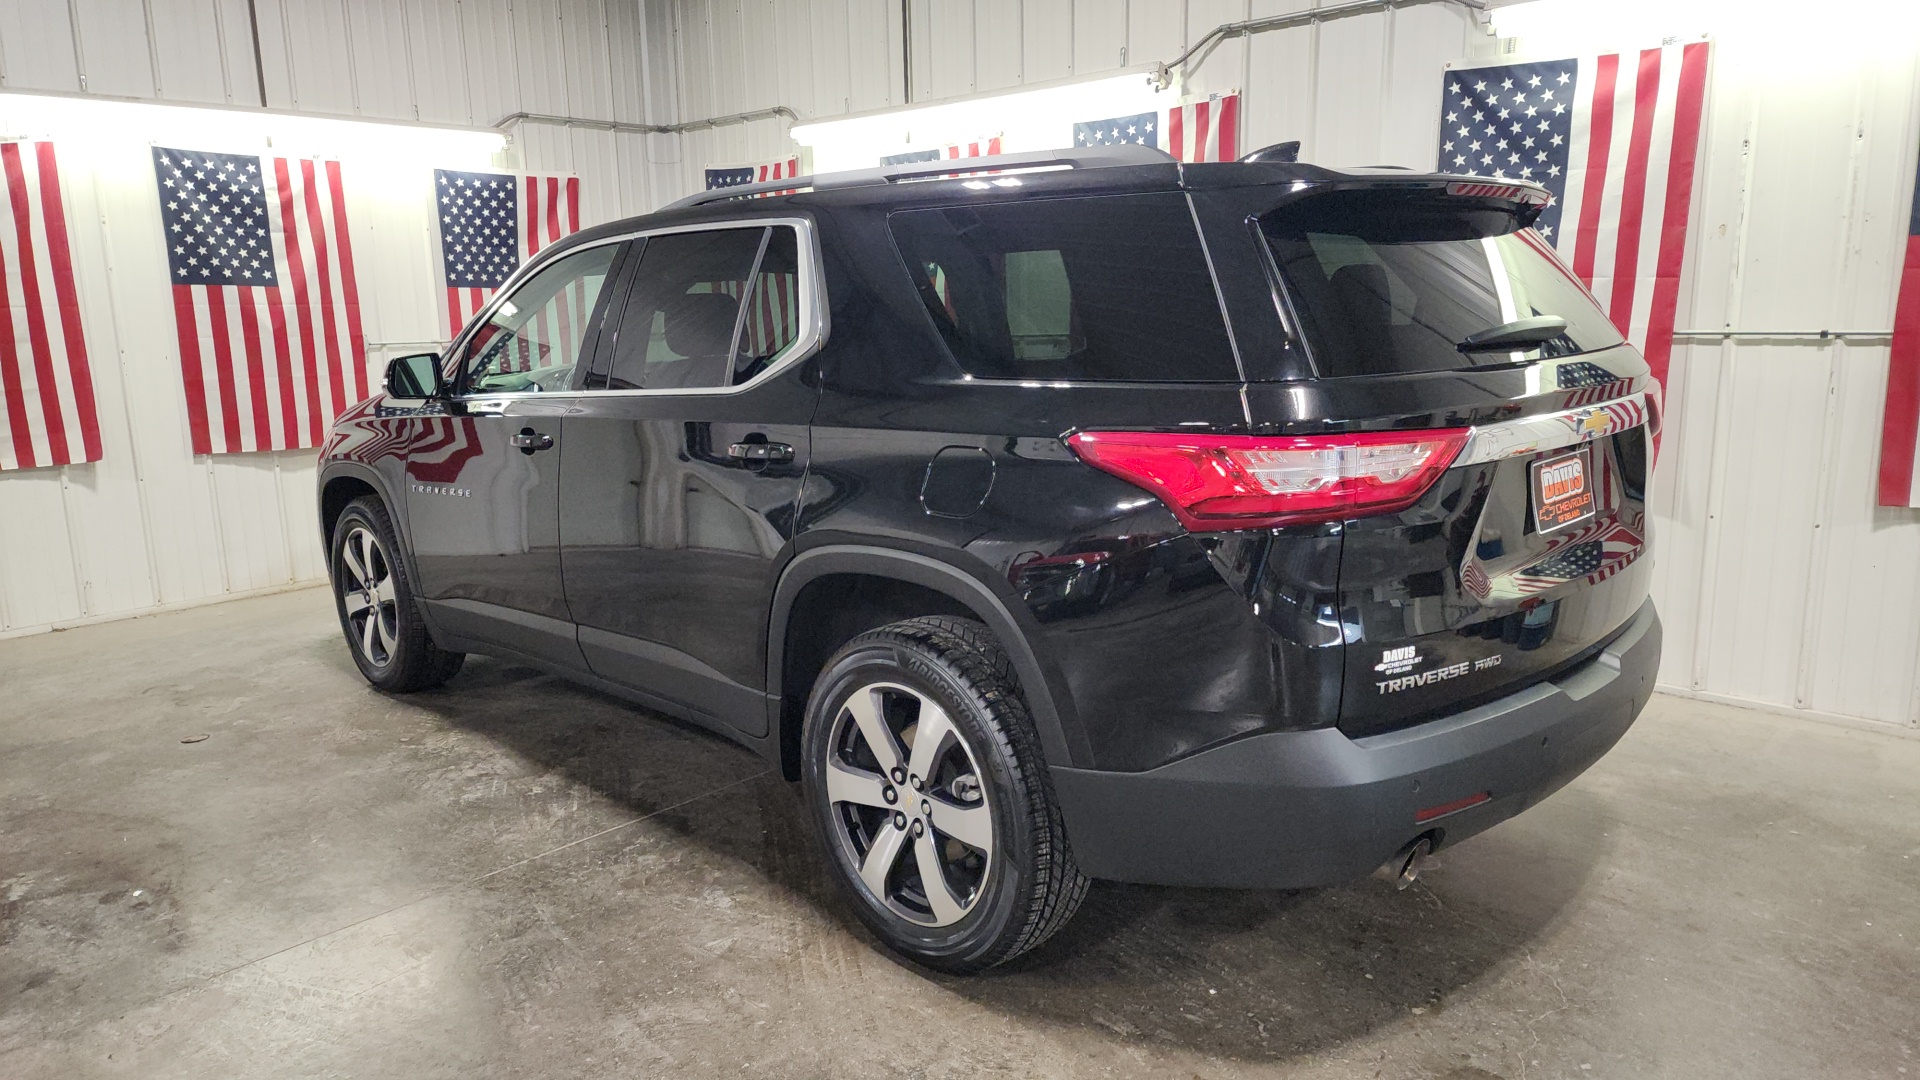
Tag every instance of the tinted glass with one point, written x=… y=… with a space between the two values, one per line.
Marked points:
x=1101 y=289
x=677 y=331
x=773 y=312
x=532 y=339
x=1384 y=285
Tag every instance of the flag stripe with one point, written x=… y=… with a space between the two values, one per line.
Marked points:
x=60 y=258
x=256 y=369
x=39 y=346
x=1689 y=104
x=1901 y=427
x=216 y=301
x=1633 y=195
x=1599 y=138
x=349 y=288
x=187 y=323
x=323 y=276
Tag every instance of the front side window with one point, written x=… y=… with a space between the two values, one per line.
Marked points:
x=1385 y=284
x=532 y=339
x=1114 y=288
x=709 y=309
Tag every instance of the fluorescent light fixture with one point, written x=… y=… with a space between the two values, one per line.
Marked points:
x=1039 y=118
x=1581 y=27
x=75 y=119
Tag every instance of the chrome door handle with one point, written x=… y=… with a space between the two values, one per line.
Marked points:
x=757 y=453
x=529 y=441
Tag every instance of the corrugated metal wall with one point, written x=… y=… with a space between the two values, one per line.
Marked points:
x=151 y=526
x=1780 y=582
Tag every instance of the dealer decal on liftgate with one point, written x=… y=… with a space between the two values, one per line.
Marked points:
x=1434 y=675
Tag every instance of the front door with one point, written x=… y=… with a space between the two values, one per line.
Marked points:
x=684 y=460
x=483 y=492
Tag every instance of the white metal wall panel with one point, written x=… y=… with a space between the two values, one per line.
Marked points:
x=999 y=31
x=539 y=56
x=1155 y=30
x=492 y=66
x=1421 y=40
x=1279 y=101
x=1046 y=40
x=315 y=52
x=948 y=31
x=114 y=58
x=1224 y=66
x=436 y=55
x=1099 y=36
x=382 y=63
x=583 y=41
x=36 y=46
x=188 y=47
x=1349 y=96
x=875 y=36
x=235 y=47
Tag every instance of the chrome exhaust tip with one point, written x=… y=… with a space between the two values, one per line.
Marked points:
x=1406 y=867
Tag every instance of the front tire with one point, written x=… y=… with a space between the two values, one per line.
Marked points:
x=375 y=600
x=924 y=775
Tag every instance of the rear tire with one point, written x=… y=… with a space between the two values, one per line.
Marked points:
x=974 y=807
x=375 y=600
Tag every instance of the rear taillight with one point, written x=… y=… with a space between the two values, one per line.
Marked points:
x=1215 y=483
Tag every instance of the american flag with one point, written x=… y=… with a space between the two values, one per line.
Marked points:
x=1900 y=428
x=1141 y=129
x=489 y=222
x=47 y=414
x=264 y=300
x=1205 y=130
x=1614 y=139
x=971 y=148
x=759 y=172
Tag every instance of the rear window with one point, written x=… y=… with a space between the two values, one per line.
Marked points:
x=1385 y=284
x=1110 y=289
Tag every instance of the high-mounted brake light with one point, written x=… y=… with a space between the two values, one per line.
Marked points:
x=1215 y=483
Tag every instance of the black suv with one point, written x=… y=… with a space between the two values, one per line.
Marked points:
x=1086 y=515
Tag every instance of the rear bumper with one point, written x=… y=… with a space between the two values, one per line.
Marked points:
x=1306 y=808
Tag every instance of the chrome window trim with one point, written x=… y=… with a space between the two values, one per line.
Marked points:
x=812 y=307
x=1551 y=431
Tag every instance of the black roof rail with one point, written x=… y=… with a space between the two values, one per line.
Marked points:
x=1084 y=157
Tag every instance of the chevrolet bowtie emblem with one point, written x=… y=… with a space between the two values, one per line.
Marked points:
x=1595 y=422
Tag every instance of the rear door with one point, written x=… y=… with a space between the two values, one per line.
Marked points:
x=483 y=491
x=1425 y=309
x=683 y=463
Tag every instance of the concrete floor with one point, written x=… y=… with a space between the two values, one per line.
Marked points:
x=514 y=877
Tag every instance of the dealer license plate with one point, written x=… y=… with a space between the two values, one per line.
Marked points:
x=1563 y=490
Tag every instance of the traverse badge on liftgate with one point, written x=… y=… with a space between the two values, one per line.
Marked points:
x=1563 y=490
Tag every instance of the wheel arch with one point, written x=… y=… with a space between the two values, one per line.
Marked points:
x=1061 y=738
x=343 y=482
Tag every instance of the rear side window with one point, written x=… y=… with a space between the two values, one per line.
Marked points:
x=1385 y=284
x=709 y=309
x=1111 y=289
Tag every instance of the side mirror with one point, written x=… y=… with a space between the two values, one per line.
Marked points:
x=416 y=376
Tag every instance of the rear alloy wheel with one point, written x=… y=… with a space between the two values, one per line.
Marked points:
x=384 y=630
x=925 y=777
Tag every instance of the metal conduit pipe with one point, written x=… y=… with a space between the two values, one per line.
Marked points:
x=1163 y=73
x=776 y=112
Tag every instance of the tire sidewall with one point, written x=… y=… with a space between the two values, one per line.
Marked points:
x=1010 y=877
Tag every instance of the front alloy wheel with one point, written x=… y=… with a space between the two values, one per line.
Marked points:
x=366 y=582
x=374 y=596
